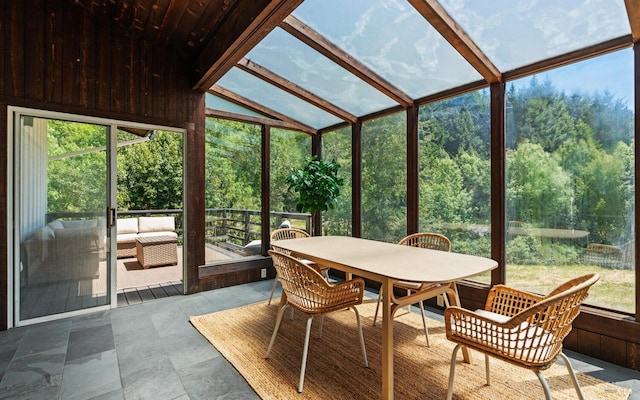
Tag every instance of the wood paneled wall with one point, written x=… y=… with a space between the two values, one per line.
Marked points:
x=55 y=53
x=56 y=57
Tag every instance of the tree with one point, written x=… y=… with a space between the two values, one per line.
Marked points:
x=76 y=182
x=538 y=189
x=384 y=183
x=150 y=173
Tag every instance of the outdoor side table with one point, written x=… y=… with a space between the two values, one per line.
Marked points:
x=153 y=251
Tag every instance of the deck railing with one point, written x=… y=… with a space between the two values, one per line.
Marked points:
x=235 y=226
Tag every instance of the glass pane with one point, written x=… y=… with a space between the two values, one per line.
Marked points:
x=149 y=202
x=570 y=179
x=517 y=33
x=290 y=58
x=259 y=91
x=454 y=173
x=392 y=39
x=63 y=176
x=221 y=104
x=288 y=152
x=232 y=191
x=336 y=145
x=384 y=178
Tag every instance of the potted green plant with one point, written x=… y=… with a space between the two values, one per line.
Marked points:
x=317 y=185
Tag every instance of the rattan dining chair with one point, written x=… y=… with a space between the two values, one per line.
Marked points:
x=521 y=328
x=306 y=290
x=291 y=233
x=425 y=240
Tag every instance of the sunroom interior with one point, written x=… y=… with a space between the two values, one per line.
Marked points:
x=507 y=126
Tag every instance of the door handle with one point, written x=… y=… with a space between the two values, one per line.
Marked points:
x=111 y=217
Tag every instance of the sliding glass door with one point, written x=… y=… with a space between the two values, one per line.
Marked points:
x=61 y=210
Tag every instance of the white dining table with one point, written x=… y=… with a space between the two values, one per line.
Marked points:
x=386 y=263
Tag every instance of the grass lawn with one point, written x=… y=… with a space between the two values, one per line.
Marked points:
x=614 y=290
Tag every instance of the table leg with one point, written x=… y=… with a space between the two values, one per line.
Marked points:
x=387 y=341
x=454 y=300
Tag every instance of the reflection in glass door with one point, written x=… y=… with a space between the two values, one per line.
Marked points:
x=61 y=198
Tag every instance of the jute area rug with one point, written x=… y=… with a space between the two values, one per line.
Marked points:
x=335 y=368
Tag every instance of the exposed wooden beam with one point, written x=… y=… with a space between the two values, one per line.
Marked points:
x=498 y=181
x=319 y=43
x=433 y=12
x=453 y=92
x=259 y=108
x=249 y=23
x=356 y=179
x=364 y=118
x=413 y=174
x=290 y=87
x=574 y=56
x=633 y=12
x=251 y=119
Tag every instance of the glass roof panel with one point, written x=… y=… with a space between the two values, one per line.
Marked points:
x=518 y=33
x=392 y=39
x=288 y=57
x=257 y=90
x=218 y=103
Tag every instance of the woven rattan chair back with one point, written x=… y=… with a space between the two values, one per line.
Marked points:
x=306 y=290
x=427 y=240
x=284 y=234
x=521 y=328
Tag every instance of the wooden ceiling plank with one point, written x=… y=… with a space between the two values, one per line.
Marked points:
x=248 y=24
x=436 y=15
x=633 y=12
x=213 y=113
x=170 y=21
x=290 y=87
x=191 y=17
x=211 y=18
x=156 y=16
x=257 y=107
x=319 y=43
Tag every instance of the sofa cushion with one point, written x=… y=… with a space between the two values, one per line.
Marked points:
x=44 y=233
x=147 y=234
x=55 y=225
x=127 y=225
x=127 y=237
x=156 y=224
x=78 y=224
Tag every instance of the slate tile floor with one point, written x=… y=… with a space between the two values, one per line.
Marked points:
x=151 y=351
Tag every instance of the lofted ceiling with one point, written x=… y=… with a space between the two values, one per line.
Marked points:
x=316 y=65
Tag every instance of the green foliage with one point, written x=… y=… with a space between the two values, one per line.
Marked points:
x=443 y=194
x=150 y=174
x=524 y=250
x=232 y=165
x=384 y=182
x=317 y=185
x=288 y=152
x=76 y=182
x=337 y=146
x=538 y=188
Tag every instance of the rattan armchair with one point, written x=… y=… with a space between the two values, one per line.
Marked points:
x=521 y=328
x=306 y=290
x=425 y=240
x=291 y=233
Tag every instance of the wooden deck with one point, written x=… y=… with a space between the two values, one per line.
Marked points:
x=145 y=293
